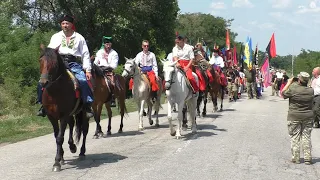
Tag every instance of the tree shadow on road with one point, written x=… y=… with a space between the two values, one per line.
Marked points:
x=94 y=160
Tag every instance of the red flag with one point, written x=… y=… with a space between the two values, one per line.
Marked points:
x=235 y=61
x=265 y=70
x=271 y=48
x=227 y=40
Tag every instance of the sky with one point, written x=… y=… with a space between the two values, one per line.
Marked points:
x=296 y=23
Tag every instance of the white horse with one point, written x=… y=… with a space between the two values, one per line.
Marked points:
x=177 y=91
x=141 y=91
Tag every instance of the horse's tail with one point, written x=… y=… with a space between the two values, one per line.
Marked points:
x=79 y=127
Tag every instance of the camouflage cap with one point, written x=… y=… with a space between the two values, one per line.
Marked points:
x=304 y=76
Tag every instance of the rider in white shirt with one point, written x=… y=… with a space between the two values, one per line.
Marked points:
x=216 y=59
x=107 y=59
x=72 y=46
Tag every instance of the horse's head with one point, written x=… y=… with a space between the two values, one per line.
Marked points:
x=168 y=71
x=129 y=67
x=49 y=66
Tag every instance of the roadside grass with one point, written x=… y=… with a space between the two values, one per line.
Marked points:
x=19 y=128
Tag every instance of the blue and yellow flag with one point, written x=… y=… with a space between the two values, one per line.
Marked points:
x=247 y=58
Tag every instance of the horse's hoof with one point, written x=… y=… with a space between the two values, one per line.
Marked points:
x=220 y=110
x=120 y=131
x=173 y=133
x=157 y=125
x=82 y=157
x=109 y=133
x=95 y=137
x=204 y=114
x=144 y=113
x=151 y=122
x=73 y=148
x=100 y=134
x=62 y=162
x=56 y=168
x=178 y=137
x=140 y=129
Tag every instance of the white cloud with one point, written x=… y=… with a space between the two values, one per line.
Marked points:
x=280 y=3
x=242 y=3
x=277 y=15
x=242 y=29
x=267 y=26
x=215 y=13
x=253 y=22
x=312 y=8
x=291 y=19
x=218 y=5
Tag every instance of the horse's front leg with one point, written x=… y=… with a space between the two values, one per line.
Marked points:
x=184 y=116
x=141 y=109
x=192 y=112
x=157 y=107
x=222 y=96
x=199 y=100
x=150 y=112
x=59 y=142
x=214 y=101
x=172 y=131
x=122 y=110
x=72 y=146
x=179 y=127
x=204 y=111
x=109 y=117
x=97 y=108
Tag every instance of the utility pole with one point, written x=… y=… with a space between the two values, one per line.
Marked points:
x=292 y=65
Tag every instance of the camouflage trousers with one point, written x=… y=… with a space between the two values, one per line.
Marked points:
x=251 y=90
x=300 y=133
x=232 y=90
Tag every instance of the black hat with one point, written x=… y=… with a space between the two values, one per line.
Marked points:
x=66 y=17
x=107 y=39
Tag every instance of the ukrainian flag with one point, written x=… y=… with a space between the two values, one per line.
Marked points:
x=248 y=52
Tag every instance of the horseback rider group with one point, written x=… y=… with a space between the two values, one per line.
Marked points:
x=73 y=49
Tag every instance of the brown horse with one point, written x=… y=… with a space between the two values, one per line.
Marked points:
x=62 y=101
x=102 y=95
x=216 y=88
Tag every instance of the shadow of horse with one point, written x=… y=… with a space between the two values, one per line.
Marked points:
x=124 y=134
x=160 y=126
x=229 y=110
x=209 y=127
x=94 y=160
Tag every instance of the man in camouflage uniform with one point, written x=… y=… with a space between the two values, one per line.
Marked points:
x=300 y=116
x=250 y=83
x=232 y=84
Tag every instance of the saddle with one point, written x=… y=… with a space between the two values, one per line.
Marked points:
x=76 y=85
x=187 y=80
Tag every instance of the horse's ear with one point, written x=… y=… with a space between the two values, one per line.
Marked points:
x=162 y=61
x=57 y=49
x=126 y=58
x=42 y=47
x=174 y=63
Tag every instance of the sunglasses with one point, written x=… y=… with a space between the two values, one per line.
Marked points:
x=145 y=45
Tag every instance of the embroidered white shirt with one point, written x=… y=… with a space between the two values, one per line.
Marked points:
x=185 y=53
x=217 y=61
x=317 y=87
x=77 y=47
x=148 y=59
x=107 y=60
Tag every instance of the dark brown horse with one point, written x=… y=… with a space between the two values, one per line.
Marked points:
x=102 y=95
x=203 y=94
x=62 y=102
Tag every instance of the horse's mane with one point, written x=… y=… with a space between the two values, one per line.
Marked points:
x=52 y=57
x=96 y=70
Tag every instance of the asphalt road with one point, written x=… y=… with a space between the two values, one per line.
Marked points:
x=248 y=140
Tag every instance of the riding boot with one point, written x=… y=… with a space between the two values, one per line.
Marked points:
x=113 y=101
x=41 y=112
x=154 y=96
x=88 y=110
